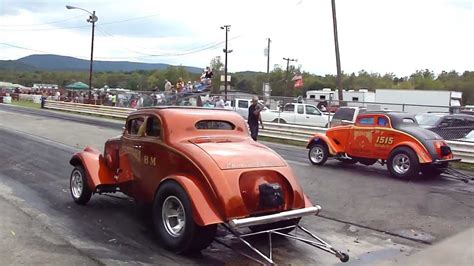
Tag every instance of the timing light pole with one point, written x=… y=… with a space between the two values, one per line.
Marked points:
x=288 y=70
x=92 y=19
x=226 y=51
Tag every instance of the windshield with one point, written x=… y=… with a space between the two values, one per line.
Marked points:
x=427 y=119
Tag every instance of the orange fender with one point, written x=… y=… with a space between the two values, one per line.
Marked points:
x=94 y=166
x=423 y=155
x=316 y=138
x=204 y=212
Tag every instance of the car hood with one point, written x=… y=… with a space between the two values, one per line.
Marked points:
x=240 y=155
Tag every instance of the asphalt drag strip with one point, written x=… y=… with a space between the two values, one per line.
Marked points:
x=35 y=174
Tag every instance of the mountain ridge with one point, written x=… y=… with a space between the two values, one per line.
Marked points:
x=51 y=62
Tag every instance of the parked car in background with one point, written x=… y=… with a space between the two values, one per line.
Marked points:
x=297 y=113
x=448 y=126
x=468 y=138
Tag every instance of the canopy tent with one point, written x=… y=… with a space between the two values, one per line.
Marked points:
x=77 y=86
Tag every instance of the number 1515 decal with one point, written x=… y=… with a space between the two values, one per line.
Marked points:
x=384 y=140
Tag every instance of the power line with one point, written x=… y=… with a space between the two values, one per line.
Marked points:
x=44 y=29
x=41 y=24
x=130 y=19
x=176 y=53
x=214 y=46
x=86 y=26
x=38 y=51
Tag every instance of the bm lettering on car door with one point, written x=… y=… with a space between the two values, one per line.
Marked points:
x=361 y=138
x=152 y=155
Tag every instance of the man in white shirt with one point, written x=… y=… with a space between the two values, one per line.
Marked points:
x=219 y=103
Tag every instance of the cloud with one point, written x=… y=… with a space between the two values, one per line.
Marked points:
x=380 y=36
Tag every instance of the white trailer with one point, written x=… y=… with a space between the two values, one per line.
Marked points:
x=354 y=96
x=417 y=101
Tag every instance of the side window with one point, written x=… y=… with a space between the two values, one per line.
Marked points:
x=355 y=99
x=153 y=127
x=300 y=109
x=311 y=110
x=322 y=97
x=289 y=108
x=135 y=126
x=446 y=122
x=366 y=121
x=470 y=122
x=458 y=122
x=382 y=121
x=243 y=104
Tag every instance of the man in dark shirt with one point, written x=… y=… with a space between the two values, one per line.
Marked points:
x=254 y=117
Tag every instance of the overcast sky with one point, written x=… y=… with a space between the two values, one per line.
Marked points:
x=398 y=36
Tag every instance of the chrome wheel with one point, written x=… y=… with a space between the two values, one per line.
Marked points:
x=316 y=154
x=173 y=216
x=77 y=186
x=401 y=163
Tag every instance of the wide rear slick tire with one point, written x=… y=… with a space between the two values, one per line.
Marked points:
x=318 y=153
x=174 y=224
x=403 y=163
x=78 y=186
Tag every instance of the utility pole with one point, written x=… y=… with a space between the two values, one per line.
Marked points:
x=287 y=71
x=336 y=45
x=92 y=19
x=268 y=57
x=226 y=51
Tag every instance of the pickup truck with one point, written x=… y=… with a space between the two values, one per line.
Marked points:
x=241 y=106
x=297 y=113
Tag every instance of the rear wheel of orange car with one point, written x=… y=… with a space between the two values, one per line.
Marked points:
x=80 y=191
x=403 y=163
x=173 y=221
x=318 y=154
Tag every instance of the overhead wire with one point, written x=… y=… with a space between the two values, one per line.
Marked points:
x=39 y=51
x=40 y=24
x=83 y=26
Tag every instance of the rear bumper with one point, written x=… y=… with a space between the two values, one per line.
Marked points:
x=271 y=218
x=441 y=161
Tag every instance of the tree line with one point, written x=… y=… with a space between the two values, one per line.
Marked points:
x=252 y=82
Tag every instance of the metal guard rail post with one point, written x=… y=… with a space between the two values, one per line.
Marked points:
x=462 y=150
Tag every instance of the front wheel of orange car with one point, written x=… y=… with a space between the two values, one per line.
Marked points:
x=173 y=221
x=318 y=154
x=80 y=191
x=403 y=163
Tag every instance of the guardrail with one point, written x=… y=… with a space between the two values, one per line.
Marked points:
x=462 y=150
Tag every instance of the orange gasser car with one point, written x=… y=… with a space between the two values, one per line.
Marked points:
x=387 y=137
x=198 y=168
